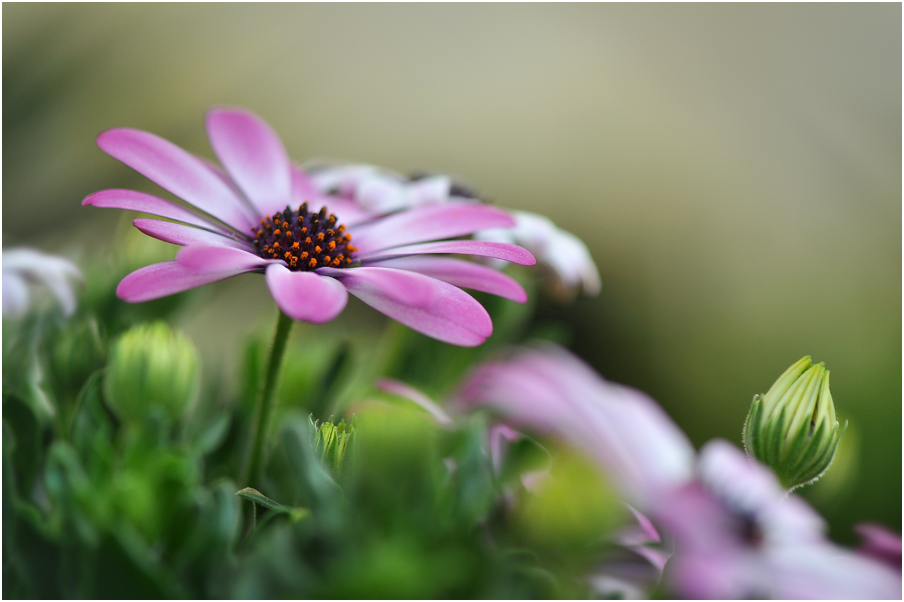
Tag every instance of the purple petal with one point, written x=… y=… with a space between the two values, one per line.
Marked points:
x=162 y=279
x=306 y=296
x=432 y=307
x=203 y=259
x=180 y=172
x=180 y=234
x=433 y=222
x=254 y=157
x=147 y=203
x=464 y=274
x=498 y=250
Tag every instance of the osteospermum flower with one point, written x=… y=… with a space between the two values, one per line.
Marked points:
x=261 y=213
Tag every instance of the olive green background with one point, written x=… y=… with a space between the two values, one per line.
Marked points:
x=734 y=169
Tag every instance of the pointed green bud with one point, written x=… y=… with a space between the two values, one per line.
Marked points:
x=792 y=428
x=152 y=366
x=331 y=441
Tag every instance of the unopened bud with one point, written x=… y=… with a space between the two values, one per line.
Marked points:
x=792 y=428
x=152 y=366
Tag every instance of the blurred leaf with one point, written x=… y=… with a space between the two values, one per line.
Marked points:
x=23 y=439
x=257 y=497
x=334 y=379
x=212 y=436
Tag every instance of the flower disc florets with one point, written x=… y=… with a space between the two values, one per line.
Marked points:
x=304 y=240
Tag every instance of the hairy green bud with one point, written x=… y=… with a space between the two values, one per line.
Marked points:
x=793 y=428
x=152 y=366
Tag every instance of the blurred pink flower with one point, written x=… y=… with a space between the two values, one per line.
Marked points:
x=738 y=534
x=23 y=268
x=260 y=213
x=880 y=543
x=549 y=390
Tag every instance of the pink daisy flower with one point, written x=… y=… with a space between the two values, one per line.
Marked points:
x=261 y=213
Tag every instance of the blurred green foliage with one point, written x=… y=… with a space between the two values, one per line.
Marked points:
x=117 y=486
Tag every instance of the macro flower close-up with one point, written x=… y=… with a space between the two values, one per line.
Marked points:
x=451 y=301
x=263 y=214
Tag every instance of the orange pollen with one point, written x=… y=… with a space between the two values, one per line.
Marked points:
x=303 y=239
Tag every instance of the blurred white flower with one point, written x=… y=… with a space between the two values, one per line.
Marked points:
x=24 y=269
x=565 y=256
x=380 y=190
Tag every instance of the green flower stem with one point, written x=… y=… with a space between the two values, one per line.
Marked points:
x=264 y=408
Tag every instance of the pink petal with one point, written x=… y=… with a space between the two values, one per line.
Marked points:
x=498 y=250
x=254 y=157
x=180 y=234
x=306 y=296
x=180 y=172
x=162 y=279
x=147 y=203
x=464 y=274
x=432 y=222
x=432 y=307
x=203 y=259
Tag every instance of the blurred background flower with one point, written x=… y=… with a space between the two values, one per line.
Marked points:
x=735 y=170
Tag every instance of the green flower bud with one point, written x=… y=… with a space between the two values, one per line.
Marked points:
x=331 y=441
x=151 y=366
x=792 y=428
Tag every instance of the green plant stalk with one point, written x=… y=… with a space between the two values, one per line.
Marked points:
x=264 y=408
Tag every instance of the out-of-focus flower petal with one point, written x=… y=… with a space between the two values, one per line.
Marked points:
x=464 y=274
x=179 y=234
x=185 y=175
x=306 y=296
x=880 y=543
x=433 y=222
x=550 y=390
x=496 y=250
x=24 y=266
x=402 y=390
x=434 y=308
x=563 y=253
x=253 y=155
x=303 y=191
x=15 y=295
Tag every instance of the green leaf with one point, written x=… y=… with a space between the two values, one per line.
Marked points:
x=249 y=493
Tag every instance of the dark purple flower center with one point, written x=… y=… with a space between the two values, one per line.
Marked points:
x=304 y=240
